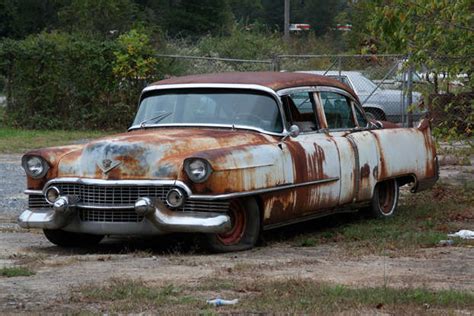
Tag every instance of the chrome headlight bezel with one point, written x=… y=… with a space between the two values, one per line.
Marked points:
x=194 y=166
x=35 y=167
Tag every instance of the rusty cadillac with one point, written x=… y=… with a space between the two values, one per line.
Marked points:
x=227 y=156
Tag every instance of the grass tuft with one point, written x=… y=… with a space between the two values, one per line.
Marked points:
x=11 y=272
x=19 y=141
x=265 y=296
x=422 y=221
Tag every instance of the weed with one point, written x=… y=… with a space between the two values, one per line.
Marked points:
x=11 y=272
x=421 y=221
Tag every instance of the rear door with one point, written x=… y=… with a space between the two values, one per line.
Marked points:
x=357 y=148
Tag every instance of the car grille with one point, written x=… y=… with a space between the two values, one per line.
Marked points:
x=114 y=216
x=97 y=202
x=101 y=195
x=37 y=201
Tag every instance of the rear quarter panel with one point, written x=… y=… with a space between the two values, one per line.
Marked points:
x=406 y=151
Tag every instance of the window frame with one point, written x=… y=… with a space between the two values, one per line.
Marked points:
x=288 y=117
x=320 y=115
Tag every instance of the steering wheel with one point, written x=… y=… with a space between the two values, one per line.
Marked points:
x=249 y=117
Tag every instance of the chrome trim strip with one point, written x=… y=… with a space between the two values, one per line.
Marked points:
x=223 y=86
x=99 y=182
x=229 y=126
x=183 y=186
x=315 y=89
x=33 y=192
x=260 y=191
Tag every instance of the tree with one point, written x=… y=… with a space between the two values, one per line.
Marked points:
x=196 y=18
x=20 y=18
x=435 y=33
x=247 y=11
x=99 y=17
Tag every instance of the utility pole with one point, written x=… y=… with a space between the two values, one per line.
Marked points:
x=286 y=35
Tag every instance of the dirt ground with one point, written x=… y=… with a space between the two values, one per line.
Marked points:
x=59 y=271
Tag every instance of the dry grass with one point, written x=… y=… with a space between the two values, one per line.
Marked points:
x=263 y=296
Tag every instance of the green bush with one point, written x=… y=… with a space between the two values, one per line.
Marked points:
x=57 y=80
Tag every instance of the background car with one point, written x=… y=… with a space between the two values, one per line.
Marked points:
x=378 y=103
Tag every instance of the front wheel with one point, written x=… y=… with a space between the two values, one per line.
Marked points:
x=245 y=228
x=68 y=239
x=385 y=199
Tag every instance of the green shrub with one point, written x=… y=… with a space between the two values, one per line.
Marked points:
x=66 y=81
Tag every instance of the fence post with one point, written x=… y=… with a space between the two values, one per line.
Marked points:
x=410 y=92
x=339 y=66
x=276 y=63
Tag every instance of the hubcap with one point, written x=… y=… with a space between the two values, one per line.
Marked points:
x=238 y=220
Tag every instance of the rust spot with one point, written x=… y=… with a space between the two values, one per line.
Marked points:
x=365 y=171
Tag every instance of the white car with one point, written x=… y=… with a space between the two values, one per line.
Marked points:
x=378 y=103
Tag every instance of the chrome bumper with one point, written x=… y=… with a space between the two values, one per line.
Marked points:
x=158 y=219
x=162 y=217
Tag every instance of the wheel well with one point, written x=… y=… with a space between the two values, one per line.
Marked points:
x=406 y=179
x=260 y=205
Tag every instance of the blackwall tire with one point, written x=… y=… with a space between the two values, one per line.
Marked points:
x=67 y=239
x=243 y=235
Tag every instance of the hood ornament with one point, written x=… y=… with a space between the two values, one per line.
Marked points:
x=106 y=165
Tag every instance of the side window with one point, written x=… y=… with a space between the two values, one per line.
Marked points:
x=360 y=117
x=299 y=110
x=338 y=110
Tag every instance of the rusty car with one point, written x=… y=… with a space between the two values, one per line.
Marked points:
x=227 y=156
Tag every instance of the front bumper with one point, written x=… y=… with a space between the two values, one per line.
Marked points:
x=158 y=219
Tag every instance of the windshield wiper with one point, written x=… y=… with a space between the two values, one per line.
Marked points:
x=156 y=119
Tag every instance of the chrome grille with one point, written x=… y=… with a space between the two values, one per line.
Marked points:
x=110 y=216
x=100 y=195
x=93 y=199
x=37 y=201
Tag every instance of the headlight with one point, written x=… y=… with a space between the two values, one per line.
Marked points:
x=198 y=170
x=36 y=167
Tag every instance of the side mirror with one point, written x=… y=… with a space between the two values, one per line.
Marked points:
x=294 y=131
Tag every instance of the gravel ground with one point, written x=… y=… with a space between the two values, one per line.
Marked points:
x=12 y=185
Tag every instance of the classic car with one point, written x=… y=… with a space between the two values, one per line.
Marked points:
x=227 y=156
x=379 y=103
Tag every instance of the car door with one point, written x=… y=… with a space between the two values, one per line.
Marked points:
x=314 y=156
x=358 y=152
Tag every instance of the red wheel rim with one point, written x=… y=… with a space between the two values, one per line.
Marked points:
x=386 y=197
x=238 y=219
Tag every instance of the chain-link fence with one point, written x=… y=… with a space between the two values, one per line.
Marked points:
x=380 y=81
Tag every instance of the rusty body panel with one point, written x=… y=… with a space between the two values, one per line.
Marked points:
x=313 y=174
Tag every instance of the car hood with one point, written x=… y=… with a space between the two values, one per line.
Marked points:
x=156 y=153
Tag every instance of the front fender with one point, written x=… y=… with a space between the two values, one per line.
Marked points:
x=245 y=168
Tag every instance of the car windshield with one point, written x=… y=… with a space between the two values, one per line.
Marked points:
x=364 y=85
x=230 y=107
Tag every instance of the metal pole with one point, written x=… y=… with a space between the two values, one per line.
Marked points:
x=410 y=94
x=286 y=35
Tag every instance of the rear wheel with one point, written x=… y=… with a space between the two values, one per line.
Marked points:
x=385 y=199
x=245 y=229
x=68 y=239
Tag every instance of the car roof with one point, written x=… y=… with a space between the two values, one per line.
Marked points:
x=333 y=72
x=273 y=80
